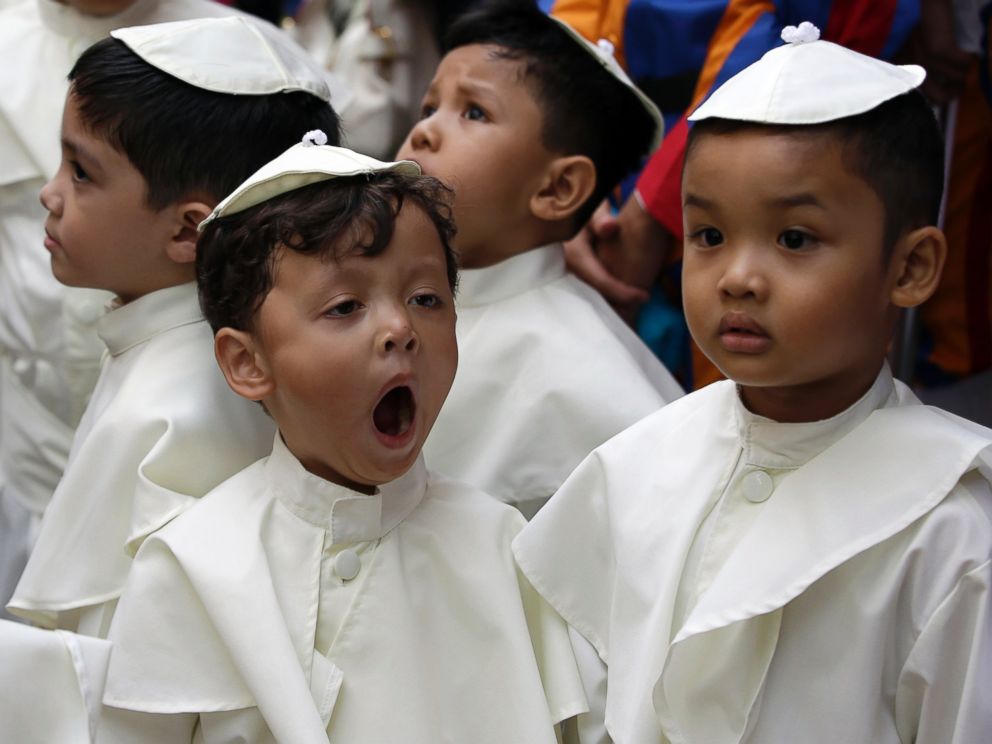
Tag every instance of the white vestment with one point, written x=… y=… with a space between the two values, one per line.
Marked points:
x=283 y=607
x=52 y=684
x=162 y=429
x=547 y=372
x=852 y=605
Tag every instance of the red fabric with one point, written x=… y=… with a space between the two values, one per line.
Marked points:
x=660 y=184
x=861 y=25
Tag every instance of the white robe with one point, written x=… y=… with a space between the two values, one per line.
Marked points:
x=547 y=372
x=438 y=639
x=855 y=607
x=49 y=350
x=52 y=684
x=162 y=429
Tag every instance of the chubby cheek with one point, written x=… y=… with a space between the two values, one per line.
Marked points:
x=699 y=301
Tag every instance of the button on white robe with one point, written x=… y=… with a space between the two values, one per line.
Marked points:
x=439 y=638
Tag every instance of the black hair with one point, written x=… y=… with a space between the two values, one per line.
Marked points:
x=236 y=254
x=896 y=148
x=186 y=140
x=586 y=110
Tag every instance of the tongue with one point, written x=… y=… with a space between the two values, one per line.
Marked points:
x=393 y=414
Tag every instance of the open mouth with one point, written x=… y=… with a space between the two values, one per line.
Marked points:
x=393 y=416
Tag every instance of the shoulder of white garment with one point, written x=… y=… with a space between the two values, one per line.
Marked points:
x=188 y=666
x=163 y=429
x=568 y=549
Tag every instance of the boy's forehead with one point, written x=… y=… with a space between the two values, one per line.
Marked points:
x=482 y=64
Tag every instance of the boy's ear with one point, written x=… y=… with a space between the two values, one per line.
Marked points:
x=182 y=246
x=568 y=183
x=917 y=263
x=243 y=364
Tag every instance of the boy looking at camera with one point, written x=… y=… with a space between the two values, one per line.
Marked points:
x=801 y=552
x=336 y=590
x=160 y=123
x=532 y=126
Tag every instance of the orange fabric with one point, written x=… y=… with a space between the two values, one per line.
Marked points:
x=595 y=20
x=737 y=20
x=958 y=317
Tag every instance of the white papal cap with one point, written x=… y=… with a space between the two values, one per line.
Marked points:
x=231 y=54
x=309 y=162
x=604 y=53
x=808 y=81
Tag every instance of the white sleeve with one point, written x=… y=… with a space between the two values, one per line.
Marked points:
x=943 y=692
x=589 y=728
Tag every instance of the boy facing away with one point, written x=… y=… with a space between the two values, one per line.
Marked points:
x=800 y=553
x=532 y=126
x=49 y=350
x=159 y=124
x=336 y=590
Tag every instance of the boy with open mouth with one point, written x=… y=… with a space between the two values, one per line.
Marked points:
x=336 y=590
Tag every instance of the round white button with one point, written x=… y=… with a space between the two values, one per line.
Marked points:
x=347 y=564
x=757 y=486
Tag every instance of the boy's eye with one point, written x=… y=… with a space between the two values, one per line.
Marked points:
x=342 y=309
x=426 y=300
x=474 y=113
x=795 y=240
x=78 y=174
x=708 y=236
x=427 y=111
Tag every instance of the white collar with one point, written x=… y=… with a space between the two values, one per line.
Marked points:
x=512 y=276
x=126 y=326
x=774 y=445
x=349 y=516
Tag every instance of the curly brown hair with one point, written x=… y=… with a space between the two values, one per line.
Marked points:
x=235 y=256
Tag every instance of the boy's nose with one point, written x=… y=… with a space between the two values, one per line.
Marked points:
x=50 y=198
x=398 y=334
x=424 y=135
x=742 y=277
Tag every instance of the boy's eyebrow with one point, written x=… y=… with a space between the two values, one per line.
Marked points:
x=469 y=87
x=80 y=152
x=802 y=199
x=691 y=200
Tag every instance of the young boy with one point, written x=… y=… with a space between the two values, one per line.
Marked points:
x=532 y=126
x=158 y=126
x=802 y=552
x=336 y=590
x=49 y=349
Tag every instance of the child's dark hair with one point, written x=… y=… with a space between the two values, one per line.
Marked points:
x=586 y=111
x=186 y=140
x=896 y=148
x=235 y=258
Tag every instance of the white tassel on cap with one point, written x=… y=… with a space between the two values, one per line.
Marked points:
x=804 y=33
x=314 y=137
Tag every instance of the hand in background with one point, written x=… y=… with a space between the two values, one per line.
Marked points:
x=620 y=255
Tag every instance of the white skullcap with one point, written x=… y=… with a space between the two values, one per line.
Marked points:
x=231 y=54
x=603 y=52
x=808 y=81
x=309 y=162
